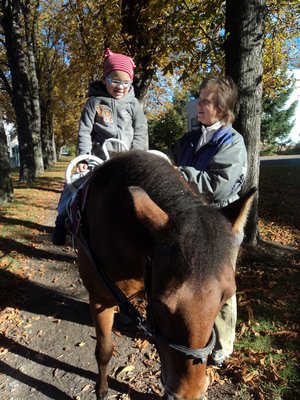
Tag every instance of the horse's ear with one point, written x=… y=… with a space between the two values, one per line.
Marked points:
x=148 y=212
x=237 y=212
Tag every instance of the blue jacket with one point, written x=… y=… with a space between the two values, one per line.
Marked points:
x=219 y=167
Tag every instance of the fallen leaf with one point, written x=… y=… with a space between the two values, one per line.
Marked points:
x=249 y=376
x=86 y=387
x=123 y=370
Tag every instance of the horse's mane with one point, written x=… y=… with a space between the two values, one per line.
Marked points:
x=198 y=230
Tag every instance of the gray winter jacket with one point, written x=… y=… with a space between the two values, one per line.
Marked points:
x=218 y=168
x=104 y=117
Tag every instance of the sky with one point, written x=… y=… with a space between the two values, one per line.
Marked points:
x=295 y=132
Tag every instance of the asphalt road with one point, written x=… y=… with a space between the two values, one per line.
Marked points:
x=290 y=159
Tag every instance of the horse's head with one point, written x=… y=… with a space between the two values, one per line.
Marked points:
x=190 y=278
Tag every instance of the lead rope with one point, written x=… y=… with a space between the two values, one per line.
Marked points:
x=125 y=305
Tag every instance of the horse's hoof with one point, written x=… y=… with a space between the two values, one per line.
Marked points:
x=102 y=396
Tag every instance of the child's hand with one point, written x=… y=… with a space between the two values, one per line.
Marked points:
x=82 y=167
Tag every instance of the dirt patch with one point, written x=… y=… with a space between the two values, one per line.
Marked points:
x=47 y=344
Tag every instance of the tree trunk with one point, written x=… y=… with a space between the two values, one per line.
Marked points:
x=245 y=20
x=136 y=37
x=6 y=186
x=48 y=144
x=25 y=88
x=46 y=67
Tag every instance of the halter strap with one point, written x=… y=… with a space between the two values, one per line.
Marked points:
x=197 y=354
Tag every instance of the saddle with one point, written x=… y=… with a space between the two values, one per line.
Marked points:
x=76 y=206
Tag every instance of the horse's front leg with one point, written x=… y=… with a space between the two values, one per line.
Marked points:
x=103 y=321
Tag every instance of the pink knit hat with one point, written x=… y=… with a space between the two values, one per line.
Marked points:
x=117 y=62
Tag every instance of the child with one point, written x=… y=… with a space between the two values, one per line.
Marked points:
x=112 y=111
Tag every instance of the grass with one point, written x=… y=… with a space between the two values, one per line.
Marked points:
x=267 y=347
x=268 y=325
x=22 y=223
x=266 y=355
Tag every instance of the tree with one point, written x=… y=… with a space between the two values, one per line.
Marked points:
x=277 y=120
x=66 y=41
x=244 y=63
x=50 y=53
x=169 y=127
x=17 y=21
x=158 y=34
x=281 y=43
x=6 y=186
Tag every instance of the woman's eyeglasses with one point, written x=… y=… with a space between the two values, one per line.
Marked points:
x=117 y=82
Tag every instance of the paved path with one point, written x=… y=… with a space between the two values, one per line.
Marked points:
x=290 y=159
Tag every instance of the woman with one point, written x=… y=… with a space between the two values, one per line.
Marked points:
x=214 y=158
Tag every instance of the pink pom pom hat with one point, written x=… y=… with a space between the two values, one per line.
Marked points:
x=117 y=62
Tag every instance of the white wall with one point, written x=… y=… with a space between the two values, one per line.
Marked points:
x=191 y=108
x=295 y=132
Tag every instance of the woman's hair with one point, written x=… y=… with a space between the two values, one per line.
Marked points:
x=226 y=95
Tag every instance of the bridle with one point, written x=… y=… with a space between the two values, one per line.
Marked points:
x=199 y=354
x=145 y=325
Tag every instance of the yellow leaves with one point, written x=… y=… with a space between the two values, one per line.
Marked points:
x=87 y=388
x=248 y=376
x=244 y=303
x=123 y=370
x=141 y=344
x=285 y=333
x=11 y=325
x=262 y=361
x=276 y=232
x=281 y=27
x=211 y=374
x=255 y=369
x=267 y=295
x=3 y=351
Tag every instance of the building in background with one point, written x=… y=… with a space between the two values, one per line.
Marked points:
x=13 y=145
x=191 y=108
x=295 y=132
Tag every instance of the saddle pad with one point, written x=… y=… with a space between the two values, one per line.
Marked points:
x=76 y=204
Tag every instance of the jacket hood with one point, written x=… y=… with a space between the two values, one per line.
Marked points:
x=97 y=88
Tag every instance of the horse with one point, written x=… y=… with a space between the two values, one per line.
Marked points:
x=143 y=227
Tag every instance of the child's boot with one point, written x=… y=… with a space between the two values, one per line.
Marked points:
x=60 y=233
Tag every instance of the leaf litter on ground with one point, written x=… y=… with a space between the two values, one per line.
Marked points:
x=267 y=278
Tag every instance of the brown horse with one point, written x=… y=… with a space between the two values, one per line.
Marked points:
x=142 y=220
